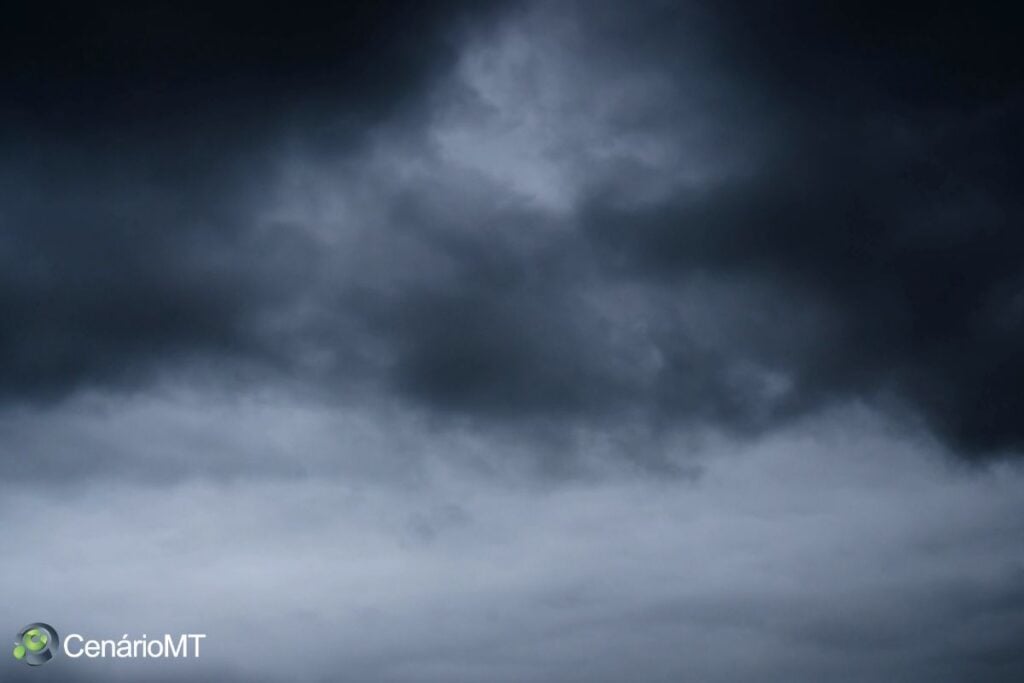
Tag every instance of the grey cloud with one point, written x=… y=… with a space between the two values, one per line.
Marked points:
x=529 y=222
x=831 y=549
x=515 y=341
x=880 y=194
x=138 y=141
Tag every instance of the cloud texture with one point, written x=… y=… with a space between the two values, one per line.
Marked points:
x=518 y=341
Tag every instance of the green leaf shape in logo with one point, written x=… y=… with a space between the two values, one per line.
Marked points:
x=35 y=640
x=19 y=652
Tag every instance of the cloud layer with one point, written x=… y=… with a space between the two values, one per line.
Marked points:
x=833 y=549
x=516 y=341
x=663 y=215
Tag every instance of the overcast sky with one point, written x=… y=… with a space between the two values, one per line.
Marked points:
x=518 y=341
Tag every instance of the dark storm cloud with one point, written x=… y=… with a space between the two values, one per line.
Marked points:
x=888 y=194
x=537 y=342
x=164 y=67
x=137 y=140
x=665 y=214
x=866 y=245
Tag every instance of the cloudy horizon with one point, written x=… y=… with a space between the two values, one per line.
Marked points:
x=516 y=341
